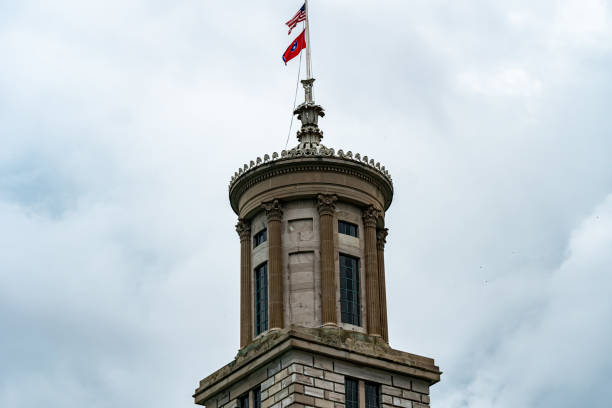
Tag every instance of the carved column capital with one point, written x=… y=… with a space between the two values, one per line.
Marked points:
x=274 y=212
x=370 y=216
x=381 y=238
x=326 y=204
x=243 y=228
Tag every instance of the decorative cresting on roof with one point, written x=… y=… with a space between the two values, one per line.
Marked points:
x=310 y=145
x=320 y=151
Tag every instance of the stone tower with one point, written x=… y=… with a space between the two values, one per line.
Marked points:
x=313 y=308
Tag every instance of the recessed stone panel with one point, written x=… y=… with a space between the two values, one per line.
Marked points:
x=302 y=289
x=301 y=229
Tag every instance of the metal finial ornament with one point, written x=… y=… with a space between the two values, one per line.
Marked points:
x=308 y=113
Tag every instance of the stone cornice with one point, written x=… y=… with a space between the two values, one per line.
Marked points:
x=308 y=163
x=320 y=152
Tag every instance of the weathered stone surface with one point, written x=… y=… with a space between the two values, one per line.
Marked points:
x=303 y=302
x=302 y=379
x=288 y=401
x=369 y=374
x=322 y=403
x=348 y=354
x=411 y=395
x=287 y=381
x=297 y=356
x=278 y=377
x=420 y=386
x=334 y=377
x=386 y=399
x=400 y=402
x=323 y=362
x=315 y=392
x=211 y=403
x=334 y=396
x=295 y=388
x=274 y=389
x=313 y=372
x=223 y=399
x=425 y=399
x=252 y=381
x=281 y=394
x=304 y=399
x=295 y=368
x=385 y=389
x=267 y=384
x=401 y=382
x=267 y=403
x=274 y=368
x=326 y=385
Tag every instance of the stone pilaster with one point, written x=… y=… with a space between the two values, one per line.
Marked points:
x=275 y=264
x=370 y=216
x=327 y=207
x=381 y=240
x=243 y=228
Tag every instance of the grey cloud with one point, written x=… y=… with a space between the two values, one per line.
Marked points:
x=122 y=122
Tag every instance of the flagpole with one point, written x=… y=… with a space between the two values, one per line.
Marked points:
x=308 y=74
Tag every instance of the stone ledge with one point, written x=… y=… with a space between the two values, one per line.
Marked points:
x=268 y=171
x=352 y=347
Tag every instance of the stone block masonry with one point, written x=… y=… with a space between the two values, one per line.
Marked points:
x=300 y=379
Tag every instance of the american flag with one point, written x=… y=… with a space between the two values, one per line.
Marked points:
x=299 y=17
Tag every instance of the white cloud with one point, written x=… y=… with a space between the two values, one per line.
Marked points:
x=121 y=123
x=533 y=365
x=505 y=82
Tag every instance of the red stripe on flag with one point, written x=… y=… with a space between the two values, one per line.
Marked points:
x=299 y=17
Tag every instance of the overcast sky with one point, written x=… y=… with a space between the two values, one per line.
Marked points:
x=122 y=121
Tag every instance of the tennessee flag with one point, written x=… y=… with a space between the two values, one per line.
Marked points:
x=295 y=48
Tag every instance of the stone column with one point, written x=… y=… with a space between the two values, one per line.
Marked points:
x=381 y=240
x=243 y=228
x=327 y=207
x=275 y=264
x=370 y=216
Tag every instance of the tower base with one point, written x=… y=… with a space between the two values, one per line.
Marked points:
x=300 y=367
